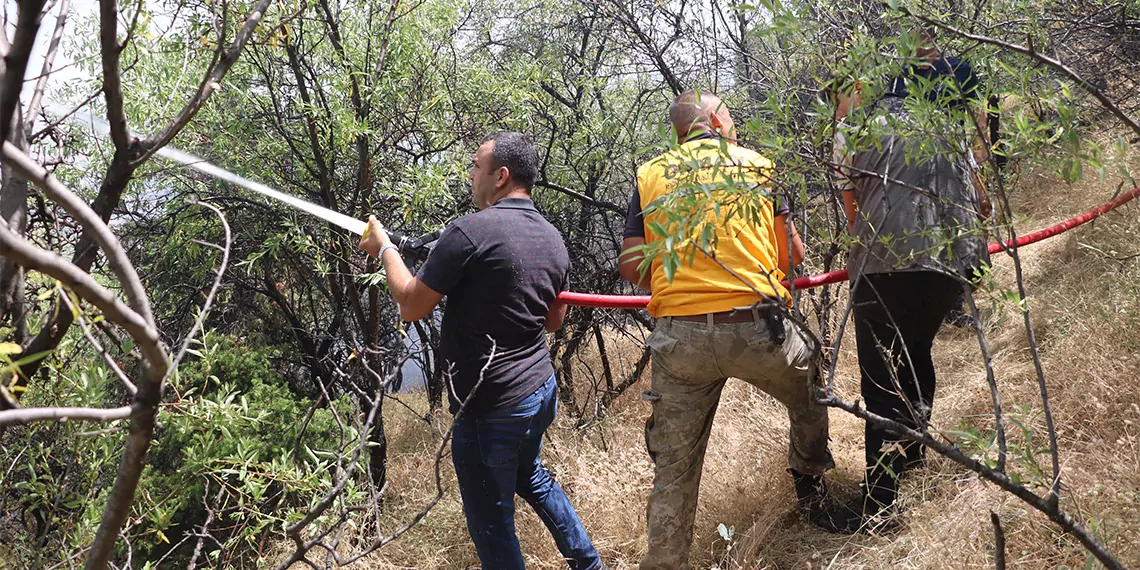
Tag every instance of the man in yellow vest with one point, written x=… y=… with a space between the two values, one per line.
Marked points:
x=720 y=309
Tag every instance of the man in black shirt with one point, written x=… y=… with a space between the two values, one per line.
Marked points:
x=501 y=269
x=952 y=84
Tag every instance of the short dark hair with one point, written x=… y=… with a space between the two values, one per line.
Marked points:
x=923 y=31
x=515 y=151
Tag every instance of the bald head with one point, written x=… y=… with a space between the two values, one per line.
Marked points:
x=694 y=112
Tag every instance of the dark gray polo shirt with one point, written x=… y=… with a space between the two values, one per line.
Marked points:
x=918 y=208
x=501 y=270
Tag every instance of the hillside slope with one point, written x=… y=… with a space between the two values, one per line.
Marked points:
x=1084 y=295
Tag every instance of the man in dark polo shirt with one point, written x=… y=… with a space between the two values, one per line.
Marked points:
x=951 y=84
x=948 y=81
x=501 y=270
x=917 y=239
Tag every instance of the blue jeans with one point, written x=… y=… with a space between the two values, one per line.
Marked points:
x=496 y=456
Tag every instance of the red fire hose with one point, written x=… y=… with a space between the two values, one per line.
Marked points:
x=640 y=301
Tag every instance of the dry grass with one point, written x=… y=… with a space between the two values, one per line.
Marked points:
x=1086 y=309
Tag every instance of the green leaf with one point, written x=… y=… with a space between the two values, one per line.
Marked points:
x=669 y=264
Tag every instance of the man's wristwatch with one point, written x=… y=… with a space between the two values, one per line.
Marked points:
x=386 y=247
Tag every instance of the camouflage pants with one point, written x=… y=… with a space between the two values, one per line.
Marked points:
x=691 y=362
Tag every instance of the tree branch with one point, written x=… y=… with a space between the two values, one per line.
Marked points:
x=210 y=83
x=1035 y=55
x=16 y=62
x=112 y=82
x=999 y=542
x=213 y=288
x=580 y=196
x=29 y=415
x=146 y=337
x=1044 y=505
x=49 y=63
x=92 y=225
x=114 y=366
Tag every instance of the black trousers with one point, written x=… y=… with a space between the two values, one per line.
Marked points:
x=896 y=317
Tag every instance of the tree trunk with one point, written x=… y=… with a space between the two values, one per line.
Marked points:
x=432 y=364
x=14 y=209
x=378 y=450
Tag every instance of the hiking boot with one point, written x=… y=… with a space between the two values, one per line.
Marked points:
x=875 y=517
x=812 y=498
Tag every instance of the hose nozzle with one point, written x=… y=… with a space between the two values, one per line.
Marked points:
x=414 y=250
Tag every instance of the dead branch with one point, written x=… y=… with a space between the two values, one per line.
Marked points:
x=1045 y=505
x=634 y=375
x=302 y=547
x=999 y=542
x=29 y=415
x=16 y=62
x=211 y=82
x=92 y=224
x=49 y=63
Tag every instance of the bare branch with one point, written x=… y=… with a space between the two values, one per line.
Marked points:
x=28 y=255
x=999 y=542
x=302 y=547
x=64 y=117
x=294 y=530
x=210 y=83
x=202 y=534
x=16 y=62
x=213 y=288
x=987 y=358
x=49 y=62
x=92 y=224
x=29 y=415
x=114 y=366
x=1044 y=505
x=112 y=82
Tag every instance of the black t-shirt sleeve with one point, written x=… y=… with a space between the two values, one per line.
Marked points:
x=971 y=85
x=444 y=267
x=634 y=221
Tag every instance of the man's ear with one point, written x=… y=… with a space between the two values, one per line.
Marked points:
x=502 y=175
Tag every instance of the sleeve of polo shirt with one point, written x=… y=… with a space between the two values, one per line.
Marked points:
x=841 y=159
x=634 y=221
x=444 y=267
x=971 y=85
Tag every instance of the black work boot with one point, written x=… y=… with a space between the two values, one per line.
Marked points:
x=812 y=498
x=877 y=505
